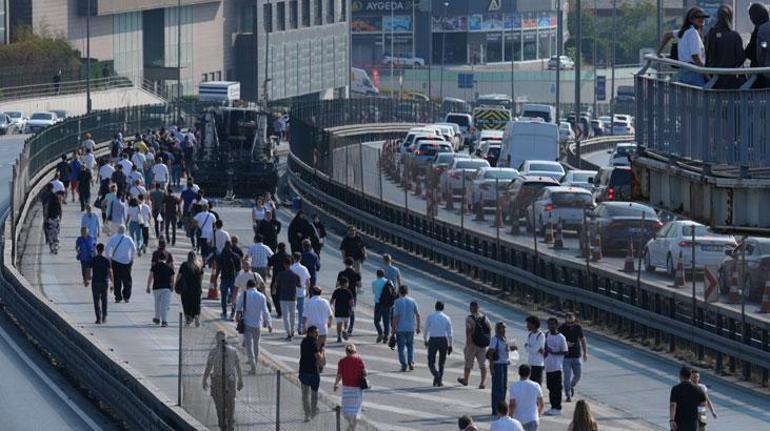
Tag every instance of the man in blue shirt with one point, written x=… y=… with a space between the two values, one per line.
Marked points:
x=381 y=309
x=406 y=321
x=91 y=221
x=311 y=261
x=85 y=246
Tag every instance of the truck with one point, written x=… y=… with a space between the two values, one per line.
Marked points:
x=225 y=92
x=361 y=84
x=528 y=140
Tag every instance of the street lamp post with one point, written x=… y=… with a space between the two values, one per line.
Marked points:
x=267 y=56
x=443 y=50
x=392 y=49
x=88 y=57
x=559 y=44
x=178 y=60
x=612 y=79
x=578 y=51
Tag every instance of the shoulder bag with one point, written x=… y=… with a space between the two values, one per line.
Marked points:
x=241 y=325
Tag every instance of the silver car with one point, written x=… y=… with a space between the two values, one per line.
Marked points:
x=565 y=204
x=582 y=179
x=460 y=174
x=489 y=184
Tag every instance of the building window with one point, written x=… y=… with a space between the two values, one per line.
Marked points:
x=204 y=77
x=211 y=76
x=219 y=75
x=305 y=13
x=281 y=16
x=246 y=20
x=318 y=12
x=293 y=14
x=330 y=11
x=267 y=17
x=344 y=11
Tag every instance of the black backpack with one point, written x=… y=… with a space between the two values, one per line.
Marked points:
x=388 y=295
x=481 y=332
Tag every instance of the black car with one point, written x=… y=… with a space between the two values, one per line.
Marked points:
x=619 y=222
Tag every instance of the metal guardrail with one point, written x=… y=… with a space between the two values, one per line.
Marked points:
x=62 y=88
x=591 y=145
x=704 y=124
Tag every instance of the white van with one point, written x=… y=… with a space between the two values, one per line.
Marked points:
x=361 y=84
x=219 y=91
x=528 y=140
x=534 y=110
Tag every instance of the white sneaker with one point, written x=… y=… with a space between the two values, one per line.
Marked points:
x=552 y=412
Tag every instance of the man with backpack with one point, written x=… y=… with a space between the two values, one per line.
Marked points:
x=384 y=296
x=478 y=333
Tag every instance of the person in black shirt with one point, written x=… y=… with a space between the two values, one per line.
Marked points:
x=63 y=169
x=119 y=178
x=84 y=186
x=354 y=283
x=576 y=343
x=353 y=246
x=269 y=228
x=228 y=264
x=53 y=222
x=276 y=262
x=724 y=48
x=321 y=231
x=101 y=274
x=311 y=355
x=342 y=301
x=161 y=279
x=684 y=402
x=45 y=198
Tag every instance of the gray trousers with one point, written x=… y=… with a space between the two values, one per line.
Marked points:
x=251 y=338
x=223 y=392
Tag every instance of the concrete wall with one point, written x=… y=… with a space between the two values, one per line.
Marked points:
x=75 y=104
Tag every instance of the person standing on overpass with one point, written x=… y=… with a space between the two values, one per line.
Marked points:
x=695 y=379
x=354 y=283
x=498 y=355
x=342 y=301
x=685 y=400
x=121 y=250
x=353 y=246
x=311 y=356
x=85 y=249
x=223 y=367
x=251 y=306
x=406 y=322
x=102 y=275
x=576 y=342
x=438 y=339
x=555 y=349
x=478 y=332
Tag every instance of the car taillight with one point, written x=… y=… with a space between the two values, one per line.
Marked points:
x=418 y=153
x=658 y=225
x=611 y=194
x=685 y=243
x=455 y=175
x=548 y=207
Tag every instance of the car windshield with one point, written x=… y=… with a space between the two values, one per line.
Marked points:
x=500 y=174
x=624 y=151
x=619 y=124
x=700 y=230
x=460 y=120
x=545 y=116
x=471 y=164
x=571 y=199
x=41 y=116
x=582 y=177
x=493 y=152
x=14 y=114
x=620 y=177
x=632 y=211
x=545 y=167
x=444 y=158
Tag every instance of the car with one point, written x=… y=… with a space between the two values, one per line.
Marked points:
x=676 y=237
x=442 y=161
x=621 y=155
x=464 y=121
x=457 y=134
x=613 y=183
x=565 y=132
x=448 y=133
x=535 y=111
x=402 y=61
x=490 y=151
x=756 y=253
x=559 y=203
x=617 y=223
x=426 y=151
x=7 y=126
x=489 y=183
x=39 y=121
x=459 y=174
x=563 y=62
x=61 y=114
x=543 y=168
x=18 y=118
x=579 y=178
x=522 y=191
x=408 y=141
x=622 y=128
x=599 y=128
x=489 y=135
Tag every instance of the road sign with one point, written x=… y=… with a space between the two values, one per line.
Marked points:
x=464 y=80
x=711 y=284
x=601 y=87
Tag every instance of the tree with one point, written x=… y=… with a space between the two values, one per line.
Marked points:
x=35 y=58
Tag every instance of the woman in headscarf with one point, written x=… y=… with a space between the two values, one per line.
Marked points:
x=758 y=15
x=724 y=48
x=189 y=287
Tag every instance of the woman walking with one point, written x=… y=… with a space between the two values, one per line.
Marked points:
x=582 y=419
x=135 y=222
x=160 y=279
x=188 y=282
x=351 y=371
x=321 y=231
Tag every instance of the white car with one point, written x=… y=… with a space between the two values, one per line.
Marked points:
x=622 y=128
x=403 y=61
x=565 y=132
x=61 y=114
x=621 y=153
x=565 y=204
x=542 y=168
x=39 y=121
x=582 y=179
x=563 y=62
x=459 y=174
x=457 y=133
x=489 y=183
x=418 y=132
x=17 y=118
x=674 y=237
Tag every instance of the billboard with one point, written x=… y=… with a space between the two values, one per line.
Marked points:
x=382 y=7
x=397 y=23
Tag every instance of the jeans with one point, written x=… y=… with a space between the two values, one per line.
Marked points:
x=499 y=384
x=251 y=338
x=122 y=276
x=176 y=174
x=162 y=302
x=530 y=426
x=289 y=313
x=573 y=369
x=85 y=271
x=691 y=78
x=382 y=313
x=352 y=317
x=135 y=230
x=169 y=222
x=300 y=313
x=99 y=292
x=553 y=382
x=310 y=384
x=225 y=289
x=405 y=339
x=437 y=345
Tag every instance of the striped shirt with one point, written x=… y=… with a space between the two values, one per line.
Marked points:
x=259 y=254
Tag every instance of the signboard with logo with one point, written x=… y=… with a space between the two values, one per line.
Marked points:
x=397 y=23
x=382 y=7
x=601 y=88
x=464 y=80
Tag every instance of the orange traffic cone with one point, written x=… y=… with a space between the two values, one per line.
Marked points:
x=498 y=215
x=765 y=308
x=548 y=237
x=558 y=238
x=628 y=264
x=679 y=273
x=596 y=248
x=213 y=290
x=734 y=296
x=464 y=205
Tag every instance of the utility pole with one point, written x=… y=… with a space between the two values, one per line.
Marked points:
x=267 y=54
x=595 y=61
x=612 y=79
x=88 y=57
x=430 y=57
x=414 y=34
x=392 y=50
x=443 y=49
x=578 y=50
x=559 y=45
x=256 y=50
x=659 y=23
x=178 y=60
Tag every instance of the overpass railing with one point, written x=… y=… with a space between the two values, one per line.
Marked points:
x=707 y=124
x=62 y=88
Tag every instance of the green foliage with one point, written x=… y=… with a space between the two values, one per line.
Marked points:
x=36 y=50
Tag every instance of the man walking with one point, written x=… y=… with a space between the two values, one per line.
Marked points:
x=102 y=275
x=310 y=260
x=288 y=283
x=384 y=293
x=478 y=334
x=223 y=366
x=342 y=301
x=304 y=284
x=269 y=228
x=171 y=215
x=228 y=265
x=85 y=247
x=318 y=313
x=555 y=349
x=121 y=250
x=576 y=342
x=526 y=400
x=252 y=308
x=392 y=272
x=260 y=255
x=685 y=400
x=504 y=422
x=406 y=322
x=353 y=246
x=311 y=356
x=91 y=221
x=160 y=281
x=354 y=283
x=438 y=339
x=535 y=347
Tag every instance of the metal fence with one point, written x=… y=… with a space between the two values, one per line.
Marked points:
x=62 y=88
x=713 y=126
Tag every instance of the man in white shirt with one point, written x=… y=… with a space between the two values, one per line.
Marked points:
x=252 y=308
x=260 y=255
x=504 y=422
x=318 y=313
x=438 y=339
x=88 y=143
x=127 y=165
x=105 y=173
x=555 y=349
x=146 y=217
x=137 y=189
x=121 y=250
x=138 y=160
x=58 y=186
x=160 y=173
x=243 y=277
x=526 y=400
x=304 y=283
x=205 y=222
x=220 y=237
x=535 y=347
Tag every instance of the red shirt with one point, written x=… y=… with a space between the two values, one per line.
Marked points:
x=351 y=368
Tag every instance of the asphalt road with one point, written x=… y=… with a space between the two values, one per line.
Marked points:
x=33 y=395
x=598 y=158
